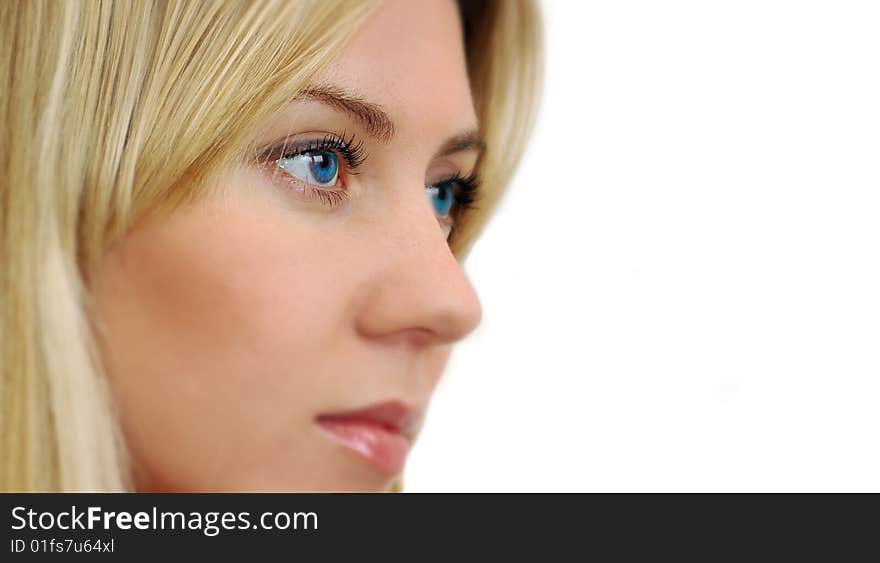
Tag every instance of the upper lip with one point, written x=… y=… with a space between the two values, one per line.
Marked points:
x=395 y=415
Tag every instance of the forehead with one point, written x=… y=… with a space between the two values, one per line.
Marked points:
x=408 y=57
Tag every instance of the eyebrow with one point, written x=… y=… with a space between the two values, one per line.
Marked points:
x=371 y=116
x=378 y=123
x=469 y=141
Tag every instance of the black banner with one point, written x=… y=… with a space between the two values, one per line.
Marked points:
x=416 y=526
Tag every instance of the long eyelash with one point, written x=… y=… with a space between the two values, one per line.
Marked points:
x=467 y=194
x=349 y=148
x=467 y=190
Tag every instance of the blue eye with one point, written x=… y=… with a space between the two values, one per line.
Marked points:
x=442 y=197
x=320 y=168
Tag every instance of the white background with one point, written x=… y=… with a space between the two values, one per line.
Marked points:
x=681 y=291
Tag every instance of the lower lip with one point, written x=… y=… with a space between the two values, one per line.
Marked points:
x=384 y=448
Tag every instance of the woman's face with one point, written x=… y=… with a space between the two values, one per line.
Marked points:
x=287 y=334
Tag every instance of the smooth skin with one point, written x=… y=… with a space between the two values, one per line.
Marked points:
x=230 y=325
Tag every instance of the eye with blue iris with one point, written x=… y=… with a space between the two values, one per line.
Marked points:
x=315 y=167
x=442 y=197
x=456 y=192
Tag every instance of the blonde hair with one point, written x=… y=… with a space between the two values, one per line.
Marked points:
x=118 y=109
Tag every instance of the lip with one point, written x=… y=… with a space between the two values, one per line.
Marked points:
x=381 y=434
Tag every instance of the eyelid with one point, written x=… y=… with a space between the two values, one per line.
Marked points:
x=348 y=147
x=349 y=152
x=330 y=196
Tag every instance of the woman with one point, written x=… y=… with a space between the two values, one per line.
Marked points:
x=232 y=233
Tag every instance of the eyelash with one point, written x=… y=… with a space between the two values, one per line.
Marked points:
x=467 y=189
x=354 y=154
x=349 y=149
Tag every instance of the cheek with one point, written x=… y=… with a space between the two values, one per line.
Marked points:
x=215 y=323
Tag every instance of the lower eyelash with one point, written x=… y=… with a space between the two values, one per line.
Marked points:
x=330 y=198
x=327 y=196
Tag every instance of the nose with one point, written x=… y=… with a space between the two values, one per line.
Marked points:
x=419 y=292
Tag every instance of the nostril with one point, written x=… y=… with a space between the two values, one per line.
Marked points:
x=421 y=337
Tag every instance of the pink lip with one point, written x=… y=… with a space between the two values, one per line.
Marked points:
x=381 y=433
